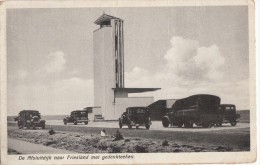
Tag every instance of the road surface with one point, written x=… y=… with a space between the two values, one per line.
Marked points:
x=156 y=125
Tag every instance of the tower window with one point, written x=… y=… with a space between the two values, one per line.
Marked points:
x=105 y=23
x=116 y=63
x=115 y=42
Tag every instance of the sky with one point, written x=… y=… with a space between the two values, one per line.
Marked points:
x=183 y=50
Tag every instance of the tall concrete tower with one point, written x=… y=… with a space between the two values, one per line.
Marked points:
x=109 y=88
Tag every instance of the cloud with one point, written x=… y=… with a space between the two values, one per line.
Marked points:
x=187 y=60
x=56 y=62
x=185 y=63
x=190 y=69
x=210 y=60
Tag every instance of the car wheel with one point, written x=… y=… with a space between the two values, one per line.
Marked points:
x=179 y=124
x=188 y=124
x=28 y=125
x=198 y=124
x=120 y=124
x=205 y=125
x=233 y=123
x=219 y=124
x=191 y=124
x=211 y=125
x=19 y=125
x=165 y=123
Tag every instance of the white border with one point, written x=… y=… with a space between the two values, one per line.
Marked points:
x=211 y=157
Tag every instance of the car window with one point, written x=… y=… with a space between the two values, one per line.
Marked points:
x=140 y=110
x=83 y=113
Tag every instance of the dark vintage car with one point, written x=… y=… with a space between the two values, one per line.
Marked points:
x=78 y=116
x=30 y=118
x=229 y=115
x=135 y=116
x=201 y=110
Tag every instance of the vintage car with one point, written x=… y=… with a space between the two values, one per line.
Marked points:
x=78 y=116
x=229 y=115
x=201 y=110
x=30 y=118
x=135 y=116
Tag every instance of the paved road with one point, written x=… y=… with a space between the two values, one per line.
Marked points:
x=156 y=125
x=24 y=147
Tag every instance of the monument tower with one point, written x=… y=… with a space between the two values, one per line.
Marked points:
x=110 y=93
